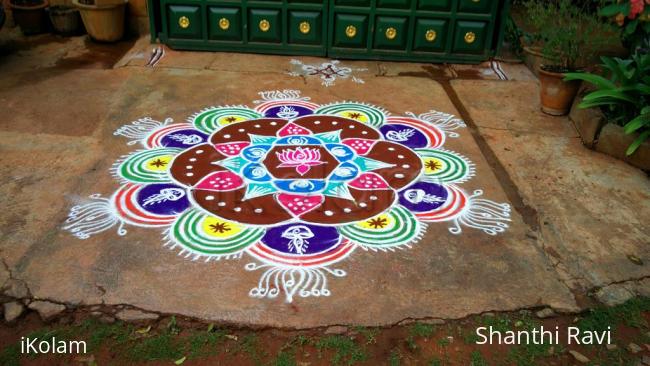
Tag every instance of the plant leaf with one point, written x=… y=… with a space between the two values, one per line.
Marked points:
x=616 y=94
x=611 y=10
x=613 y=65
x=597 y=80
x=585 y=105
x=144 y=330
x=637 y=142
x=630 y=28
x=180 y=360
x=636 y=123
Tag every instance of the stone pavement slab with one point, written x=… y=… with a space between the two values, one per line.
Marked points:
x=442 y=276
x=591 y=207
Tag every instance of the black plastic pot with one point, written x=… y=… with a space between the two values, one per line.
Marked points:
x=65 y=19
x=30 y=15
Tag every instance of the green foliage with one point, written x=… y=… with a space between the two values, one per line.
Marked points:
x=567 y=32
x=421 y=330
x=512 y=35
x=250 y=345
x=160 y=347
x=635 y=28
x=395 y=358
x=370 y=334
x=476 y=359
x=418 y=330
x=630 y=313
x=346 y=351
x=203 y=344
x=10 y=355
x=285 y=358
x=99 y=332
x=624 y=94
x=497 y=322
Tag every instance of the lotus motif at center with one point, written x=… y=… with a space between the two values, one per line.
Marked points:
x=300 y=158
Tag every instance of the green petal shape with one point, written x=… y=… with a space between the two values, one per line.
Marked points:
x=189 y=233
x=136 y=166
x=208 y=120
x=375 y=116
x=454 y=168
x=401 y=229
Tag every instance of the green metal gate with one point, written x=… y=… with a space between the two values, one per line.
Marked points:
x=416 y=30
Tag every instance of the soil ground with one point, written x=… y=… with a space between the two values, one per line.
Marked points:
x=184 y=341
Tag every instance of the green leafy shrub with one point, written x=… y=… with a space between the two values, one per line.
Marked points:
x=633 y=17
x=623 y=94
x=569 y=35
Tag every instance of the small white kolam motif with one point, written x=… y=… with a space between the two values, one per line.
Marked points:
x=328 y=72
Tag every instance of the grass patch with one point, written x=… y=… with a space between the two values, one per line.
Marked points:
x=418 y=330
x=630 y=313
x=497 y=322
x=528 y=354
x=204 y=344
x=98 y=333
x=395 y=358
x=249 y=345
x=346 y=351
x=370 y=334
x=285 y=358
x=476 y=359
x=10 y=355
x=160 y=347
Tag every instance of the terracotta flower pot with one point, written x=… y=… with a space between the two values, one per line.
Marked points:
x=65 y=19
x=104 y=22
x=556 y=94
x=29 y=15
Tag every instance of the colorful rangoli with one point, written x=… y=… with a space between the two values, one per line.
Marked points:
x=295 y=185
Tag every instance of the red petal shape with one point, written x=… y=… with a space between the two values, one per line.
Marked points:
x=293 y=129
x=298 y=204
x=369 y=181
x=361 y=146
x=231 y=148
x=220 y=181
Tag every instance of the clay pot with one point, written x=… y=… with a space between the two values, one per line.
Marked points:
x=104 y=21
x=65 y=19
x=534 y=59
x=30 y=15
x=556 y=94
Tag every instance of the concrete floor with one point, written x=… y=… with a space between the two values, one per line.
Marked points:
x=577 y=226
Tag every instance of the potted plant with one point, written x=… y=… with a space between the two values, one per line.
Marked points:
x=569 y=37
x=65 y=19
x=29 y=15
x=623 y=95
x=103 y=19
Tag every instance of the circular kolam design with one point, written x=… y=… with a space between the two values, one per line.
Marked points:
x=294 y=185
